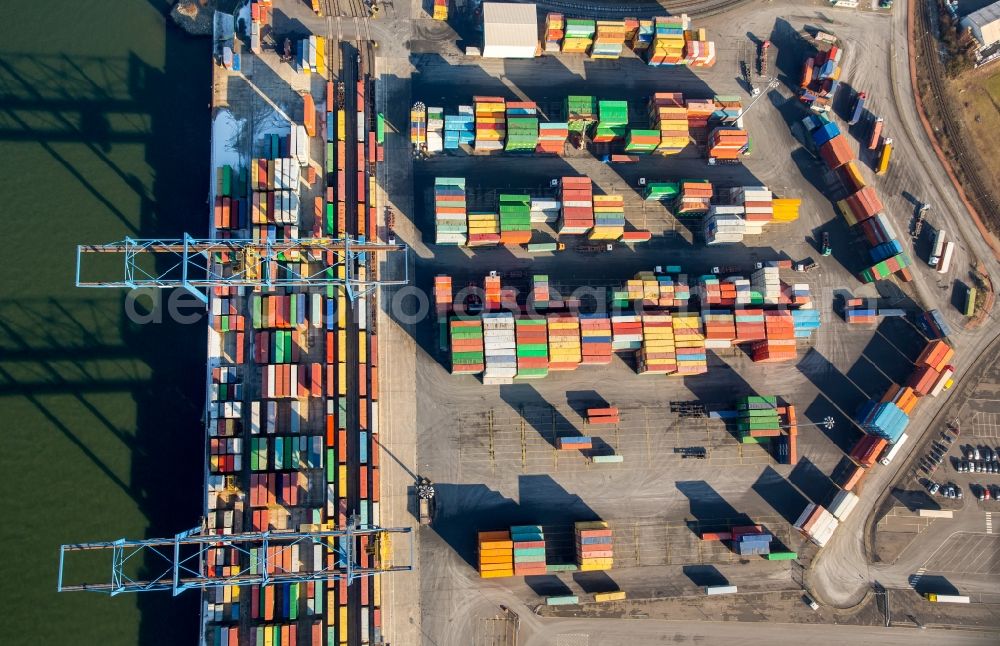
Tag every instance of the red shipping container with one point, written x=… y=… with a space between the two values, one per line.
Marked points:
x=375 y=481
x=362 y=381
x=331 y=391
x=374 y=384
x=363 y=482
x=316 y=383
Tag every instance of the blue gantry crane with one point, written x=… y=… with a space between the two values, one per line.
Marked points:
x=185 y=561
x=198 y=265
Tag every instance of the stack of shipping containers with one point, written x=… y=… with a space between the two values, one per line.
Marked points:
x=279 y=413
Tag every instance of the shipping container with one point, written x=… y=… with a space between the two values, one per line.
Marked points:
x=894 y=450
x=720 y=589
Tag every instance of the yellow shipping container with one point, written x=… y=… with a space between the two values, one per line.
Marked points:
x=495 y=567
x=362 y=347
x=342 y=623
x=496 y=545
x=321 y=56
x=601 y=597
x=342 y=481
x=590 y=524
x=342 y=379
x=341 y=125
x=377 y=590
x=496 y=574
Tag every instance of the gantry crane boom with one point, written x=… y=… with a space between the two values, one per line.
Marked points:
x=185 y=562
x=199 y=264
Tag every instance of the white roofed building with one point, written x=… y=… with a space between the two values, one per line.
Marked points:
x=985 y=24
x=510 y=30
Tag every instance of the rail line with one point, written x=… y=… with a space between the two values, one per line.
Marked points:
x=928 y=52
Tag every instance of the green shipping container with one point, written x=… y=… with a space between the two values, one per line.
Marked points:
x=227 y=180
x=561 y=567
x=331 y=466
x=781 y=556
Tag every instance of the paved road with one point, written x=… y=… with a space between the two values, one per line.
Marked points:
x=598 y=632
x=840 y=575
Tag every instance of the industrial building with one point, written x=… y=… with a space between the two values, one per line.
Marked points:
x=985 y=24
x=510 y=30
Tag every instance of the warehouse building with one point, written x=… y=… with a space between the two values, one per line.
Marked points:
x=985 y=24
x=510 y=30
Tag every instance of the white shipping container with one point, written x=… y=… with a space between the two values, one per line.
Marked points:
x=720 y=589
x=894 y=449
x=843 y=504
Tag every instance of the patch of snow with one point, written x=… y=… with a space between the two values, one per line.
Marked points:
x=226 y=133
x=273 y=123
x=244 y=14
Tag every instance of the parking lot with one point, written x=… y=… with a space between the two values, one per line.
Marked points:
x=967 y=554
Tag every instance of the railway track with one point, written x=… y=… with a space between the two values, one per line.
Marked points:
x=976 y=188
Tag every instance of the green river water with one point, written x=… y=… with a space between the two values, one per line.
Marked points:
x=104 y=132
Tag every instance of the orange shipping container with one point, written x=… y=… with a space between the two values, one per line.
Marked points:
x=309 y=114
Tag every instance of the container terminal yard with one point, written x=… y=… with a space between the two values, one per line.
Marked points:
x=523 y=324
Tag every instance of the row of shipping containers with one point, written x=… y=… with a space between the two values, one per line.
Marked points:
x=663 y=40
x=727 y=214
x=504 y=347
x=279 y=402
x=862 y=208
x=664 y=125
x=883 y=422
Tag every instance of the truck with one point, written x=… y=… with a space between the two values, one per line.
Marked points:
x=541 y=247
x=859 y=109
x=595 y=247
x=425 y=499
x=883 y=156
x=937 y=248
x=876 y=133
x=945 y=598
x=945 y=263
x=894 y=449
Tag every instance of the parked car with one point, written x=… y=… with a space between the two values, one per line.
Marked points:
x=986 y=493
x=809 y=602
x=958 y=492
x=934 y=488
x=970 y=454
x=964 y=468
x=976 y=454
